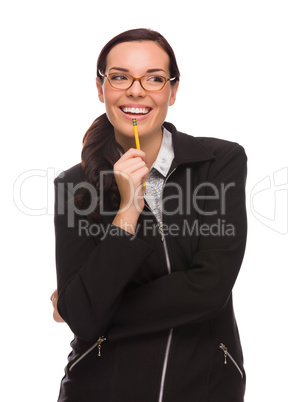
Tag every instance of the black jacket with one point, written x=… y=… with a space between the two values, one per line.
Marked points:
x=168 y=332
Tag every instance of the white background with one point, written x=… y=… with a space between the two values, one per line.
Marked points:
x=240 y=80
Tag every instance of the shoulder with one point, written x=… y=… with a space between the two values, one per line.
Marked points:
x=221 y=147
x=74 y=175
x=209 y=147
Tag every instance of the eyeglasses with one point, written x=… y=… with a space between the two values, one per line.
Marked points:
x=150 y=82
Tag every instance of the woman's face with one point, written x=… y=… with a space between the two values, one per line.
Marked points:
x=136 y=59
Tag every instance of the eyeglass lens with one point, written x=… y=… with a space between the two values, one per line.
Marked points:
x=151 y=82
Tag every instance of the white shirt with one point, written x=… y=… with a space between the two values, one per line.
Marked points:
x=157 y=174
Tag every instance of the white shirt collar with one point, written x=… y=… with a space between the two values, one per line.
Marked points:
x=165 y=155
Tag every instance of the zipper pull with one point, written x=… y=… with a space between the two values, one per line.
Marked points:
x=225 y=349
x=99 y=342
x=160 y=224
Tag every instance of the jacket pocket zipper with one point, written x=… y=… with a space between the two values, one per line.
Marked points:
x=97 y=343
x=227 y=354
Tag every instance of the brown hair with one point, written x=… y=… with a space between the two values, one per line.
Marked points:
x=100 y=148
x=139 y=35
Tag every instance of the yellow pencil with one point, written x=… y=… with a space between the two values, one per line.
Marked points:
x=138 y=145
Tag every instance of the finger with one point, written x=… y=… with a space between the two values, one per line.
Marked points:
x=54 y=294
x=53 y=299
x=57 y=317
x=140 y=175
x=133 y=152
x=130 y=165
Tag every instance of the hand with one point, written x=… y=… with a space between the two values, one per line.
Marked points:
x=130 y=172
x=56 y=315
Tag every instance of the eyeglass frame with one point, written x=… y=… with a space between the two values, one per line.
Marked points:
x=136 y=79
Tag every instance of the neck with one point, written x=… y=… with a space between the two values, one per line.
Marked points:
x=148 y=144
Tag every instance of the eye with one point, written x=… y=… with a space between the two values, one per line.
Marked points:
x=118 y=77
x=155 y=79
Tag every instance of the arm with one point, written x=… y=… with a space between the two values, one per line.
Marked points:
x=91 y=278
x=201 y=291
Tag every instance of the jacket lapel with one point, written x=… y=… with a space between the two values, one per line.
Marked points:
x=187 y=149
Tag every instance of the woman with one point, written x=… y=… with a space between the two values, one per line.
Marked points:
x=145 y=279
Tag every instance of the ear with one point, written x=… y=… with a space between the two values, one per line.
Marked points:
x=173 y=95
x=99 y=89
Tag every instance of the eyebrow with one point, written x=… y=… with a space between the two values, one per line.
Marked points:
x=150 y=70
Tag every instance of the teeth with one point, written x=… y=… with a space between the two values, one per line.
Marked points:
x=135 y=110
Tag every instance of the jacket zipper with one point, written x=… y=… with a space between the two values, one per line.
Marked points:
x=97 y=343
x=227 y=354
x=167 y=350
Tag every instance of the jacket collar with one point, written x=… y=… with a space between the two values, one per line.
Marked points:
x=187 y=149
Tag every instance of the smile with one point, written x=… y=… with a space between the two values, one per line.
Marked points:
x=135 y=110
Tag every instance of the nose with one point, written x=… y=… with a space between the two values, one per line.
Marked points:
x=136 y=90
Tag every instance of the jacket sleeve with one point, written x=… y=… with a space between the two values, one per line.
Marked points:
x=87 y=301
x=199 y=292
